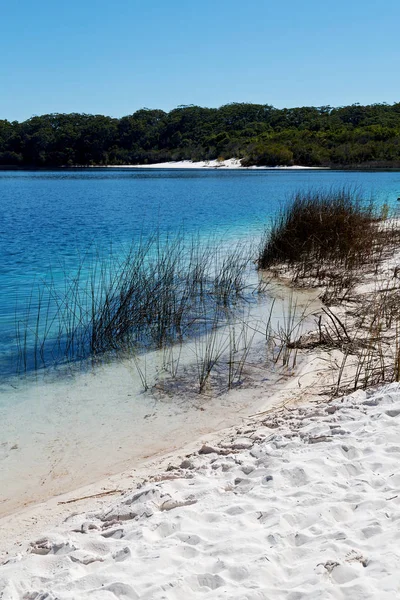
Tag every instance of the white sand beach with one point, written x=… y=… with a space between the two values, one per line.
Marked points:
x=300 y=502
x=229 y=163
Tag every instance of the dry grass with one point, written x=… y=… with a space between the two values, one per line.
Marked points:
x=322 y=226
x=336 y=240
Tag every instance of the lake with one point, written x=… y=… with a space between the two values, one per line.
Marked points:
x=50 y=220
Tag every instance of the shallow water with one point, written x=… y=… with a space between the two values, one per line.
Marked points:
x=65 y=429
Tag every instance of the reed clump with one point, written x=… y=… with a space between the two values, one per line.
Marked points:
x=320 y=228
x=336 y=240
x=161 y=292
x=373 y=357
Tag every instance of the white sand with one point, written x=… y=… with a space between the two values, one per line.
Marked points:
x=230 y=163
x=302 y=502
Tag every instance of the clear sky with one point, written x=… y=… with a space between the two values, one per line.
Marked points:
x=112 y=58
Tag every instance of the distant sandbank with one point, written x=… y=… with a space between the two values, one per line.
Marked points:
x=231 y=163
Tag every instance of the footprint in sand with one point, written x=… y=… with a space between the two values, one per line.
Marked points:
x=211 y=581
x=354 y=556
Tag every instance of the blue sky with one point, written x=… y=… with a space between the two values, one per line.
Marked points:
x=114 y=58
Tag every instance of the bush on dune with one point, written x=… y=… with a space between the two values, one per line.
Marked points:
x=320 y=226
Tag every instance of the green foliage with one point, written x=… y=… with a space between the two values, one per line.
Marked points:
x=349 y=136
x=269 y=154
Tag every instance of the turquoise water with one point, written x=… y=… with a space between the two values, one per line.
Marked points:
x=49 y=220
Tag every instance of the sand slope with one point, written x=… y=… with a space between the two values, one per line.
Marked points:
x=301 y=503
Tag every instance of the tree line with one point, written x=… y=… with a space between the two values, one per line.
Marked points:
x=344 y=137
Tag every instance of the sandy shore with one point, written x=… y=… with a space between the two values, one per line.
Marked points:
x=231 y=163
x=61 y=433
x=301 y=502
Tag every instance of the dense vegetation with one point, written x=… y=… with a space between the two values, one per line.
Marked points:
x=349 y=136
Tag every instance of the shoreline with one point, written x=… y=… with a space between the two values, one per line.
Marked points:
x=22 y=524
x=299 y=498
x=89 y=410
x=232 y=163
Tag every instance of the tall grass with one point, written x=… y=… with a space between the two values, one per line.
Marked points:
x=157 y=294
x=317 y=227
x=372 y=355
x=330 y=238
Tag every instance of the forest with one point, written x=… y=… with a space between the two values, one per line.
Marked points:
x=344 y=137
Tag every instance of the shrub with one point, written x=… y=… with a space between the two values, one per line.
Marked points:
x=320 y=226
x=268 y=155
